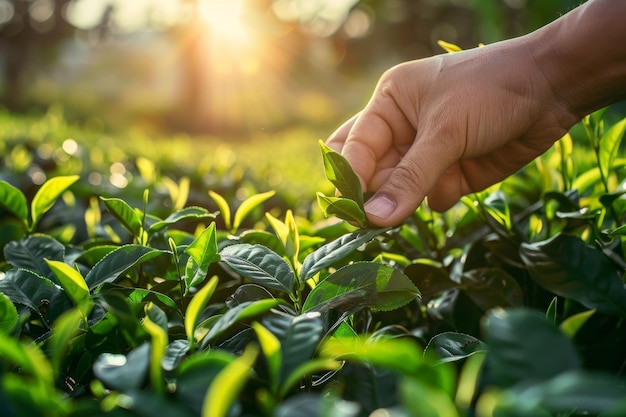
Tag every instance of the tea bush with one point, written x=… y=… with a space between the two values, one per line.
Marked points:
x=179 y=296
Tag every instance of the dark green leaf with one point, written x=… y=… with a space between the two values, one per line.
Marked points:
x=118 y=262
x=29 y=289
x=237 y=314
x=335 y=251
x=340 y=173
x=125 y=214
x=525 y=347
x=322 y=405
x=568 y=267
x=430 y=279
x=451 y=346
x=571 y=393
x=492 y=287
x=29 y=253
x=342 y=207
x=259 y=264
x=174 y=355
x=377 y=286
x=123 y=372
x=298 y=336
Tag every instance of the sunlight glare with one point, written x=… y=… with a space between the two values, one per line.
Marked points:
x=225 y=18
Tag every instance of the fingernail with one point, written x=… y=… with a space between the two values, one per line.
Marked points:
x=380 y=206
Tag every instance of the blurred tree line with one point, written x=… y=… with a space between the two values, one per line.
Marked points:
x=32 y=32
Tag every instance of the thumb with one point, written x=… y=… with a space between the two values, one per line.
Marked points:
x=409 y=182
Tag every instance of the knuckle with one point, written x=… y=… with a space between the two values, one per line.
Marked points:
x=408 y=178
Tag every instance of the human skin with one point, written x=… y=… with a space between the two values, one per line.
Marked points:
x=453 y=124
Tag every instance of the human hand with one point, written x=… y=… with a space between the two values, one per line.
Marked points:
x=449 y=125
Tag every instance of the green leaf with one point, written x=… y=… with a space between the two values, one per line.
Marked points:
x=451 y=346
x=260 y=265
x=203 y=251
x=570 y=268
x=187 y=213
x=29 y=253
x=335 y=251
x=422 y=399
x=248 y=205
x=299 y=337
x=8 y=314
x=342 y=207
x=65 y=328
x=609 y=145
x=572 y=324
x=525 y=347
x=492 y=287
x=377 y=286
x=157 y=350
x=340 y=173
x=241 y=312
x=125 y=214
x=14 y=201
x=224 y=208
x=195 y=307
x=270 y=346
x=123 y=372
x=575 y=393
x=226 y=386
x=551 y=312
x=28 y=358
x=48 y=194
x=118 y=262
x=74 y=285
x=306 y=369
x=27 y=288
x=401 y=355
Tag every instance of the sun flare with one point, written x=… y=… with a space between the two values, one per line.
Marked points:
x=225 y=19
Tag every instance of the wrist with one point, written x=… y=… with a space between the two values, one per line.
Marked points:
x=582 y=58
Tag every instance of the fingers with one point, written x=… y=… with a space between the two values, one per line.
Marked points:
x=338 y=138
x=411 y=180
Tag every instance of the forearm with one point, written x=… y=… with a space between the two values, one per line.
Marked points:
x=583 y=56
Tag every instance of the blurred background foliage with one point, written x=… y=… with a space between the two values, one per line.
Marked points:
x=230 y=68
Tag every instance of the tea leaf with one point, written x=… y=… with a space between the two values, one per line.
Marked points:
x=524 y=347
x=28 y=358
x=340 y=173
x=422 y=399
x=203 y=249
x=14 y=201
x=260 y=265
x=187 y=213
x=342 y=207
x=451 y=346
x=63 y=331
x=379 y=287
x=609 y=144
x=157 y=350
x=224 y=208
x=568 y=267
x=125 y=214
x=48 y=194
x=572 y=324
x=122 y=372
x=270 y=345
x=118 y=262
x=243 y=311
x=195 y=307
x=306 y=369
x=335 y=251
x=27 y=288
x=29 y=253
x=299 y=336
x=8 y=314
x=74 y=285
x=248 y=205
x=223 y=392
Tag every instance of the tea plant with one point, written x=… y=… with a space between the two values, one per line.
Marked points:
x=510 y=304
